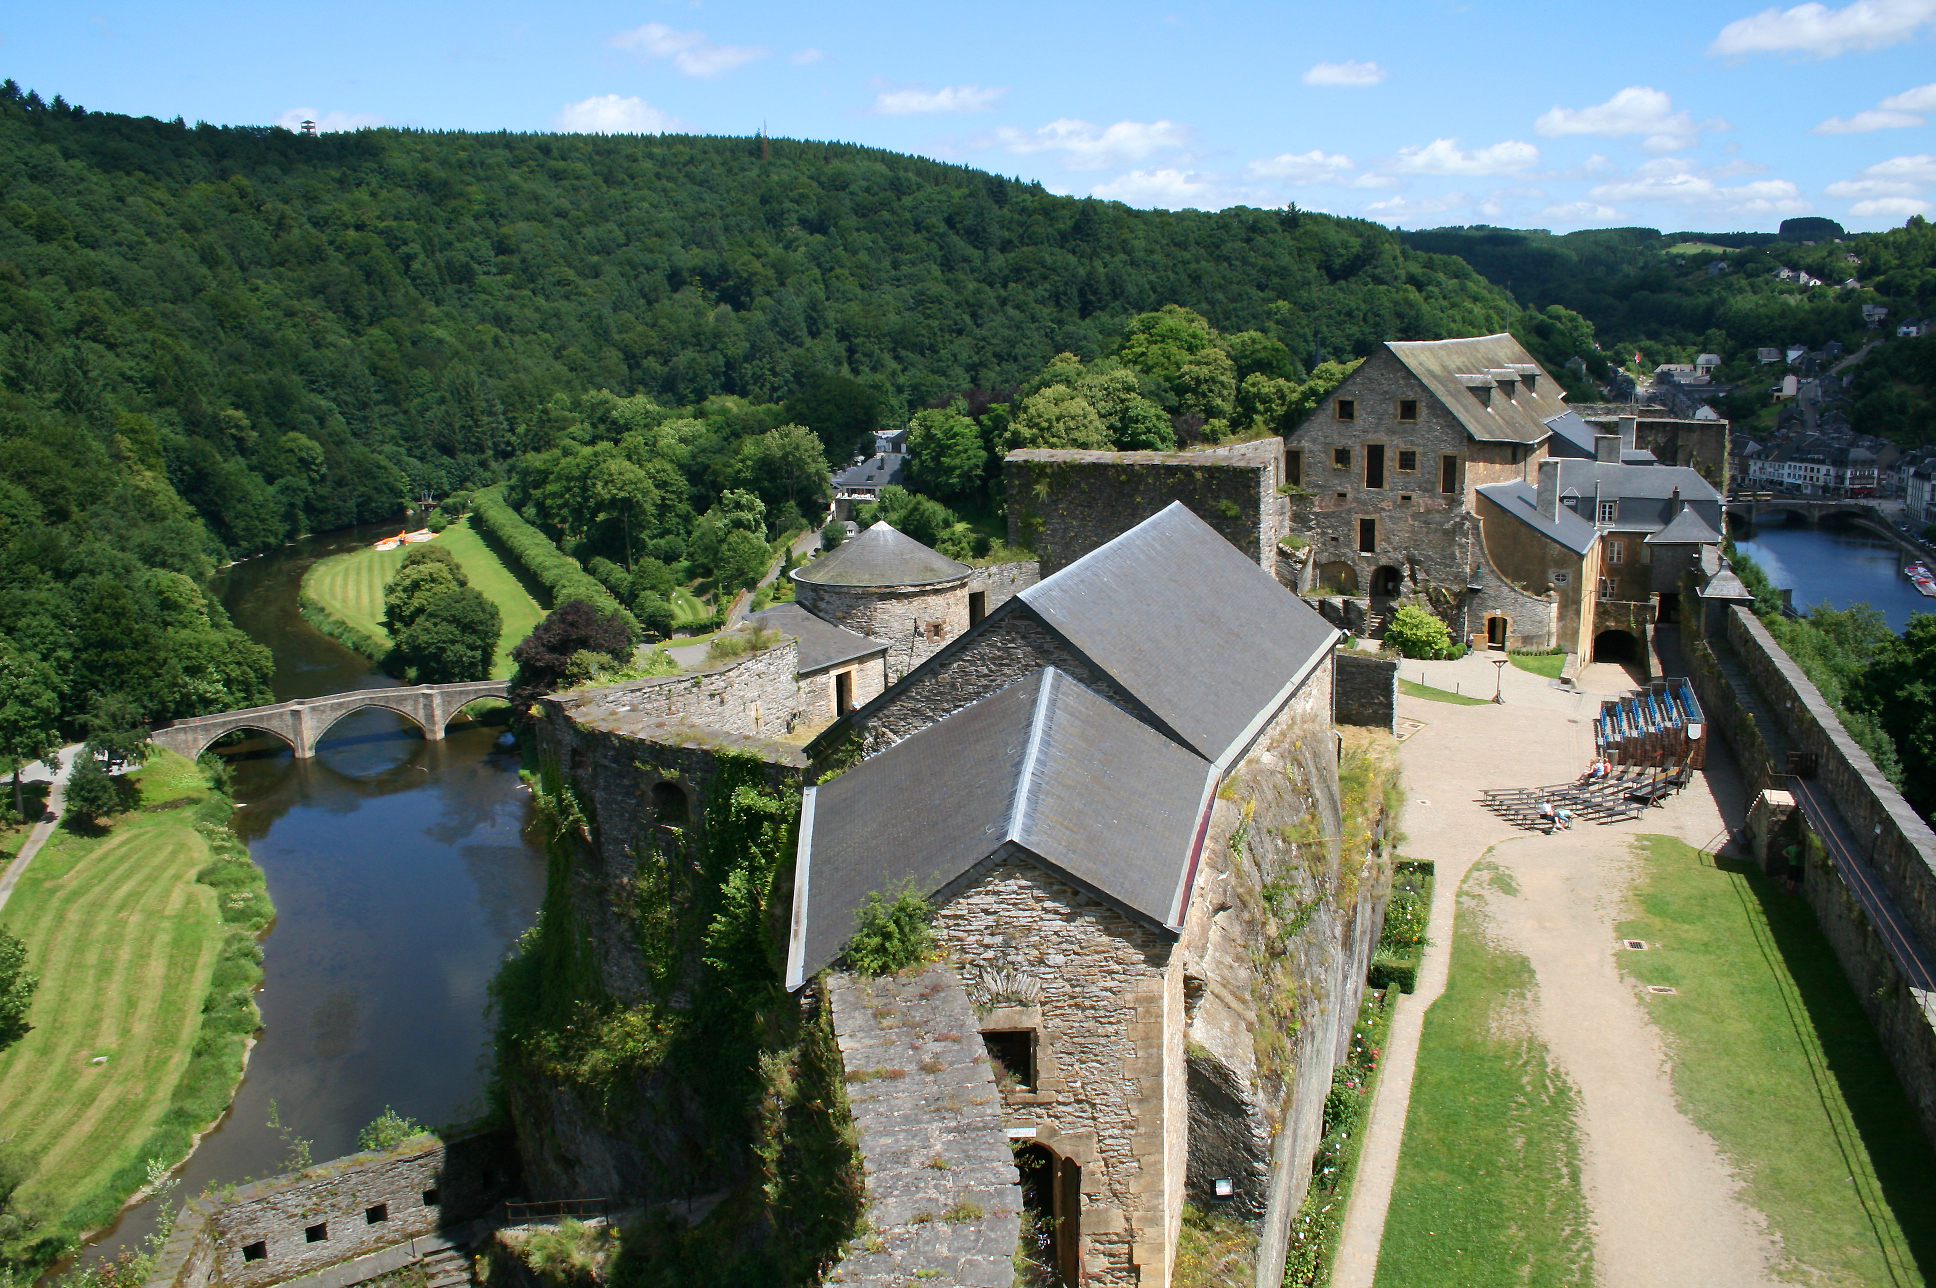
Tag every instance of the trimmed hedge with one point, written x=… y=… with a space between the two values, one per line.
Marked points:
x=557 y=571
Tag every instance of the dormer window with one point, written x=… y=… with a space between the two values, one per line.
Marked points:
x=1609 y=513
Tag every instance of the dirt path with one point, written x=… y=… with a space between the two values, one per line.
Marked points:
x=1662 y=1197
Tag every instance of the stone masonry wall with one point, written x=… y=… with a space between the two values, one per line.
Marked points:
x=757 y=695
x=913 y=622
x=335 y=1211
x=817 y=690
x=1063 y=504
x=1003 y=581
x=1366 y=690
x=942 y=1198
x=1108 y=1084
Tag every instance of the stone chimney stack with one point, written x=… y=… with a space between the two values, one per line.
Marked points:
x=1629 y=427
x=1606 y=447
x=1549 y=488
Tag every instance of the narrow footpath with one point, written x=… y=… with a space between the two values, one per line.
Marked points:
x=56 y=776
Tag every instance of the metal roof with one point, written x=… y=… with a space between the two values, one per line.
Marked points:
x=1093 y=794
x=1209 y=643
x=822 y=644
x=1521 y=501
x=1452 y=369
x=881 y=556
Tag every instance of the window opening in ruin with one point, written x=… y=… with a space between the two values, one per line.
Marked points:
x=1013 y=1054
x=1408 y=409
x=1052 y=1200
x=1293 y=466
x=977 y=606
x=376 y=1215
x=843 y=693
x=430 y=1198
x=255 y=1252
x=668 y=807
x=1374 y=465
x=1341 y=458
x=1347 y=409
x=1367 y=536
x=1448 y=474
x=1407 y=460
x=316 y=1233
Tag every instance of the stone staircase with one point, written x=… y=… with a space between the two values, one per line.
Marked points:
x=447 y=1268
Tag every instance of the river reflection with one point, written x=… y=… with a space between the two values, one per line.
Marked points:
x=1839 y=567
x=402 y=874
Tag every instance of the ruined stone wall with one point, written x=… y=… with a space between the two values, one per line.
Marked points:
x=914 y=622
x=1701 y=445
x=757 y=695
x=817 y=705
x=1108 y=1079
x=1002 y=582
x=285 y=1227
x=1063 y=504
x=1365 y=691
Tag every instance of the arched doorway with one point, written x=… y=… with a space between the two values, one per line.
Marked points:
x=1387 y=580
x=1052 y=1217
x=1496 y=628
x=1615 y=646
x=1337 y=578
x=669 y=806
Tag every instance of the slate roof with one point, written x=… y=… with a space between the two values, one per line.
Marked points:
x=822 y=643
x=1209 y=643
x=1686 y=528
x=1093 y=794
x=1451 y=368
x=1521 y=501
x=875 y=472
x=1652 y=482
x=881 y=556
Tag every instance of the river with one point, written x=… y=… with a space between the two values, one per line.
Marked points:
x=1838 y=567
x=402 y=872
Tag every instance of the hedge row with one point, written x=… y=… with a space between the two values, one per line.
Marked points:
x=557 y=571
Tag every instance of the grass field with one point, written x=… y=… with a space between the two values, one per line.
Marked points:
x=126 y=1057
x=1488 y=1186
x=1775 y=1059
x=350 y=587
x=1413 y=689
x=1547 y=664
x=687 y=608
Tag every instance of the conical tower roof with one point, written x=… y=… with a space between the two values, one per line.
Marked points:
x=881 y=556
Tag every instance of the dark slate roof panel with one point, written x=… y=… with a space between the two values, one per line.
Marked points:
x=1686 y=528
x=877 y=471
x=1452 y=368
x=1652 y=482
x=1521 y=501
x=822 y=643
x=1206 y=640
x=881 y=556
x=1571 y=436
x=1094 y=793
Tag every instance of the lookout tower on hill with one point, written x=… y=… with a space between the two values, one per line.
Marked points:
x=887 y=585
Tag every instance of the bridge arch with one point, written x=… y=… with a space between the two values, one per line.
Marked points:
x=304 y=722
x=322 y=724
x=242 y=727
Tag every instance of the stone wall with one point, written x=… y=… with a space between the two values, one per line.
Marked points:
x=1701 y=445
x=914 y=622
x=283 y=1228
x=942 y=1199
x=1003 y=581
x=817 y=698
x=1527 y=560
x=1063 y=504
x=756 y=696
x=1365 y=691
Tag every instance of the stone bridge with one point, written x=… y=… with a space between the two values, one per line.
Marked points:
x=1750 y=508
x=303 y=723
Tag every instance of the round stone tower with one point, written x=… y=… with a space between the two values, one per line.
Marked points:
x=886 y=585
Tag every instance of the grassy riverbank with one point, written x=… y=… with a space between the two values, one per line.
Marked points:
x=144 y=934
x=343 y=594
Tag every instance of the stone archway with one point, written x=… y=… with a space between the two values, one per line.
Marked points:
x=1337 y=578
x=1052 y=1212
x=1387 y=580
x=1615 y=646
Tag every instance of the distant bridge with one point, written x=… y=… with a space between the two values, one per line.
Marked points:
x=1752 y=507
x=304 y=722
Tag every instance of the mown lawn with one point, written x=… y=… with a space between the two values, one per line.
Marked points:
x=1774 y=1058
x=350 y=586
x=1547 y=664
x=126 y=943
x=1488 y=1185
x=688 y=608
x=1412 y=688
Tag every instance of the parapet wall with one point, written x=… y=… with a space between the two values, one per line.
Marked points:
x=1365 y=690
x=754 y=696
x=286 y=1227
x=1063 y=504
x=1004 y=581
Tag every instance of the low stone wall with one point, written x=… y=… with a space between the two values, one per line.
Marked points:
x=758 y=695
x=1365 y=690
x=943 y=1200
x=286 y=1227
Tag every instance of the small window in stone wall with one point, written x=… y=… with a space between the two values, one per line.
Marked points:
x=1407 y=461
x=936 y=631
x=1013 y=1054
x=1408 y=409
x=257 y=1251
x=1347 y=409
x=430 y=1198
x=1341 y=458
x=316 y=1233
x=376 y=1215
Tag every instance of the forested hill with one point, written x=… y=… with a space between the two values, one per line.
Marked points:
x=296 y=331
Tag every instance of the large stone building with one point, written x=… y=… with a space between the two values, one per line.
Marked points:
x=1451 y=472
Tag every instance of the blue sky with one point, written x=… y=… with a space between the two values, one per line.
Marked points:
x=1711 y=116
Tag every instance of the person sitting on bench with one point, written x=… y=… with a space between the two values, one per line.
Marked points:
x=1548 y=816
x=1599 y=769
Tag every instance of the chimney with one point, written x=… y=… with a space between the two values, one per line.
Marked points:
x=1674 y=504
x=1549 y=488
x=1606 y=447
x=1629 y=426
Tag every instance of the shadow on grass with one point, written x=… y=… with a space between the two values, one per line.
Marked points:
x=1899 y=1152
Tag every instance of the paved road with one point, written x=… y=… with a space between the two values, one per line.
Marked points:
x=40 y=773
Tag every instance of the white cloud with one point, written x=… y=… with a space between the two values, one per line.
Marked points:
x=1863 y=122
x=1681 y=187
x=1168 y=188
x=610 y=114
x=689 y=51
x=1578 y=212
x=1301 y=167
x=328 y=122
x=1920 y=99
x=1395 y=208
x=1443 y=156
x=1872 y=188
x=1347 y=73
x=951 y=98
x=1916 y=169
x=1085 y=147
x=806 y=56
x=1637 y=109
x=1890 y=207
x=1824 y=32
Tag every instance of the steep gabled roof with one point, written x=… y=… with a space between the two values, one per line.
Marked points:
x=1091 y=793
x=1687 y=528
x=1452 y=369
x=1188 y=626
x=881 y=556
x=822 y=643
